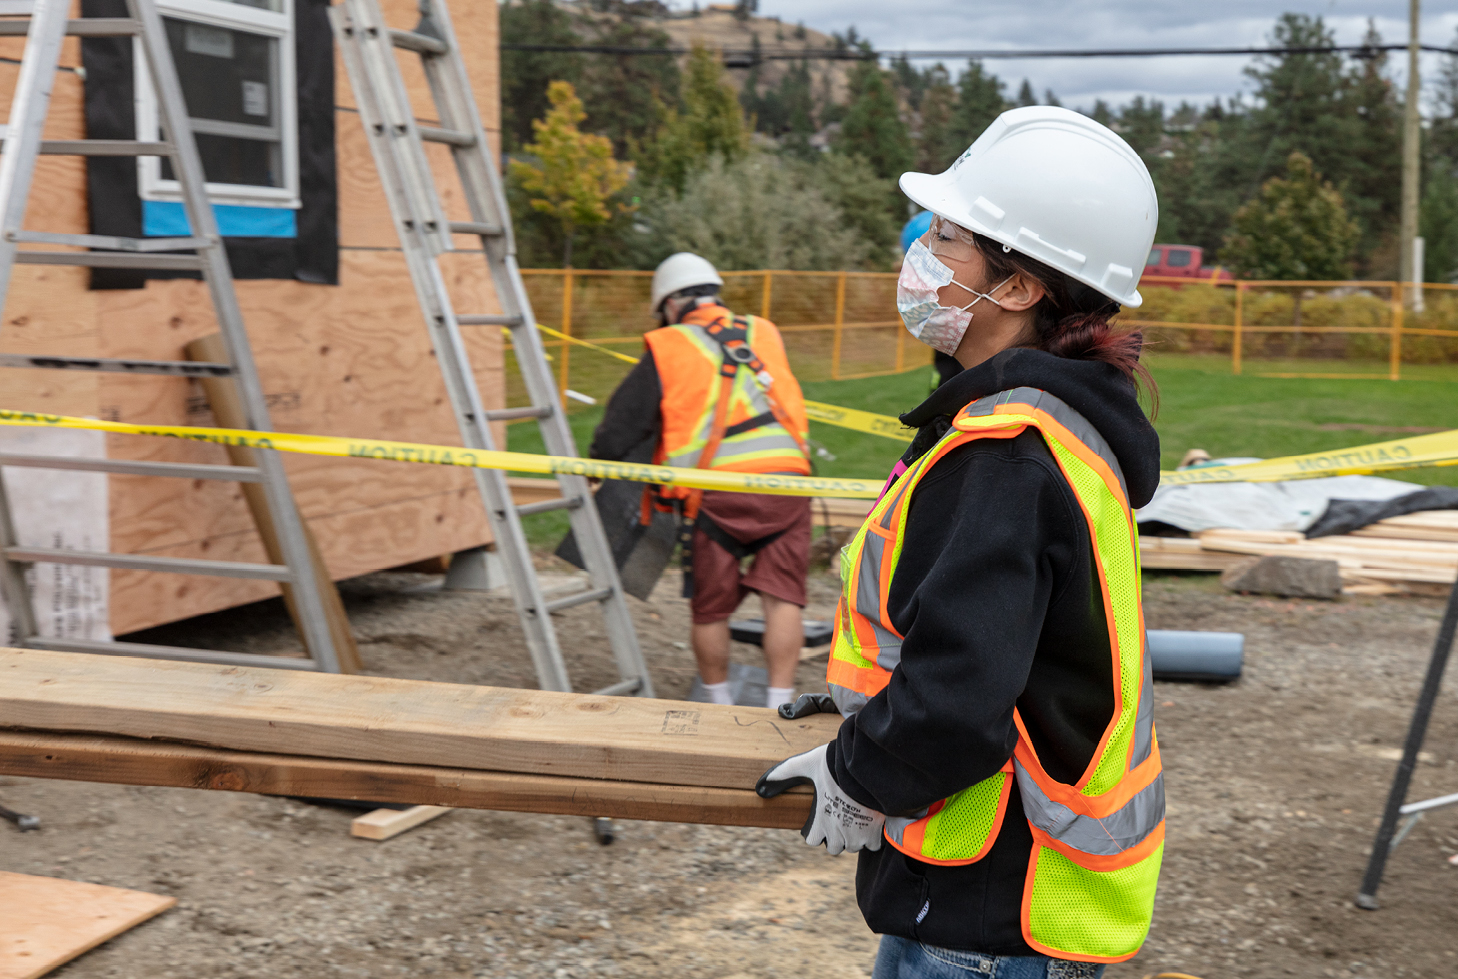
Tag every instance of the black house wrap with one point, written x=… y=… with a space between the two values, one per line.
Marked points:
x=111 y=182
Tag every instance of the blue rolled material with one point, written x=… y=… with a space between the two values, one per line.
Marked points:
x=1202 y=656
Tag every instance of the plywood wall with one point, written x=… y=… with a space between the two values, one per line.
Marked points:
x=352 y=359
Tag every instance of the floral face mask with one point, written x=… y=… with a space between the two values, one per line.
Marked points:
x=939 y=327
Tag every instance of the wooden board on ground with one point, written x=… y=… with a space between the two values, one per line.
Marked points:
x=383 y=824
x=46 y=922
x=131 y=761
x=838 y=513
x=413 y=722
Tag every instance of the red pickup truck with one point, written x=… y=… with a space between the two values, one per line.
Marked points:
x=1183 y=262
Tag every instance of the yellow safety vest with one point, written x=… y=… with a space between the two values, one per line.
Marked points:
x=1097 y=843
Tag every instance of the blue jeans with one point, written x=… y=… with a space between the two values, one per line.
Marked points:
x=900 y=958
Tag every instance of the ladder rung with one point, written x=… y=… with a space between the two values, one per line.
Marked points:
x=412 y=41
x=112 y=242
x=184 y=368
x=489 y=319
x=622 y=687
x=188 y=653
x=112 y=260
x=454 y=137
x=475 y=228
x=580 y=598
x=127 y=467
x=85 y=27
x=144 y=562
x=104 y=147
x=516 y=414
x=547 y=506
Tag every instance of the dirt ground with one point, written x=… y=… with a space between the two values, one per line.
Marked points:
x=1274 y=783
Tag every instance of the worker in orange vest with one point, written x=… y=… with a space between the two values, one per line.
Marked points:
x=714 y=391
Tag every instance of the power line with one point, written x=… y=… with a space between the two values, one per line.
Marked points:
x=749 y=55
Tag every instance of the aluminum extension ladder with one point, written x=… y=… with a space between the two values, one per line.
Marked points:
x=396 y=139
x=202 y=251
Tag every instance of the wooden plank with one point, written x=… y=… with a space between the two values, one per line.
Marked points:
x=46 y=922
x=404 y=721
x=841 y=513
x=384 y=824
x=128 y=761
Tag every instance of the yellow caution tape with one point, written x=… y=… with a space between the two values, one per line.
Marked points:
x=852 y=418
x=1418 y=452
x=455 y=455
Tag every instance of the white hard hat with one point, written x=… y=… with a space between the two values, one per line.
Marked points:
x=680 y=271
x=1056 y=186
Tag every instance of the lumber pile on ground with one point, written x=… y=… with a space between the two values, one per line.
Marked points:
x=278 y=732
x=1417 y=552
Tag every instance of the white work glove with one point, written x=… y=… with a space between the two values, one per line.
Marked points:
x=837 y=820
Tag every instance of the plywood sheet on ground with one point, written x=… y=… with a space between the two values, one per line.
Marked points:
x=46 y=921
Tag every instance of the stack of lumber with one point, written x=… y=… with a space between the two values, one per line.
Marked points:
x=1415 y=552
x=279 y=732
x=836 y=513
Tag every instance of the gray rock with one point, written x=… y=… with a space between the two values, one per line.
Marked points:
x=1293 y=577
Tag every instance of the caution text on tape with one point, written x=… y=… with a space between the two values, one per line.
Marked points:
x=1418 y=452
x=454 y=455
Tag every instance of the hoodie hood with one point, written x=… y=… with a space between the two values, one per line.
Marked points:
x=1096 y=390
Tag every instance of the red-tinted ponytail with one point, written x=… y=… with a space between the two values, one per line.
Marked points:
x=1071 y=320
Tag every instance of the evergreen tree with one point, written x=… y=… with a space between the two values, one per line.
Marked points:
x=913 y=84
x=710 y=123
x=980 y=100
x=873 y=127
x=1025 y=94
x=1369 y=169
x=939 y=141
x=1049 y=98
x=1297 y=228
x=525 y=75
x=1141 y=124
x=621 y=93
x=1101 y=113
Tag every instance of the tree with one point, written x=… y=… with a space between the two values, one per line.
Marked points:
x=621 y=93
x=1025 y=94
x=577 y=175
x=1141 y=124
x=873 y=127
x=939 y=142
x=710 y=123
x=525 y=75
x=753 y=213
x=980 y=100
x=1297 y=228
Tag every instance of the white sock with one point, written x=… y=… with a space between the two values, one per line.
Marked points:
x=774 y=696
x=719 y=693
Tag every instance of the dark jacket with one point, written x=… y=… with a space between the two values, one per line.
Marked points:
x=631 y=420
x=996 y=594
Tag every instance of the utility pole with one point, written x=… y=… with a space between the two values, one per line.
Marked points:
x=1411 y=142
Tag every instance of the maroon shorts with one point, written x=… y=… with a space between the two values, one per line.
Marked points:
x=777 y=569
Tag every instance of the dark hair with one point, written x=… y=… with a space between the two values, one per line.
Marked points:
x=1072 y=319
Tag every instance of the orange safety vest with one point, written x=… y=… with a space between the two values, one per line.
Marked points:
x=1097 y=843
x=730 y=401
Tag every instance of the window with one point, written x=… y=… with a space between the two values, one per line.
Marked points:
x=1153 y=258
x=235 y=60
x=1179 y=258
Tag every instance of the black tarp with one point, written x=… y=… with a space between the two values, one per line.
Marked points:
x=1345 y=516
x=111 y=182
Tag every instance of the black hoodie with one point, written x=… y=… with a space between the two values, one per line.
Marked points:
x=997 y=597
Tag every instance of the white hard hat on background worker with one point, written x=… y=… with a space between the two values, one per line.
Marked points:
x=679 y=271
x=1097 y=230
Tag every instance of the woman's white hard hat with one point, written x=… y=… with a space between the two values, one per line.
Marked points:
x=1057 y=186
x=681 y=271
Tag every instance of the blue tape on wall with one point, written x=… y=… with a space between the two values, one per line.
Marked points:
x=169 y=219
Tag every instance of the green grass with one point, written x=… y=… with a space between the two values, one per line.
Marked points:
x=1202 y=405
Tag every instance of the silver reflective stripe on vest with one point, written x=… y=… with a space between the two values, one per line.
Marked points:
x=1062 y=413
x=1144 y=720
x=868 y=601
x=1112 y=835
x=847 y=701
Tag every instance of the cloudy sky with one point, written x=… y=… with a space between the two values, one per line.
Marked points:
x=981 y=24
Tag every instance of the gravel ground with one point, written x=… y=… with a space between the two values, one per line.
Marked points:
x=1274 y=784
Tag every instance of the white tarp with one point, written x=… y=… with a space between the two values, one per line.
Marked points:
x=65 y=509
x=1292 y=505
